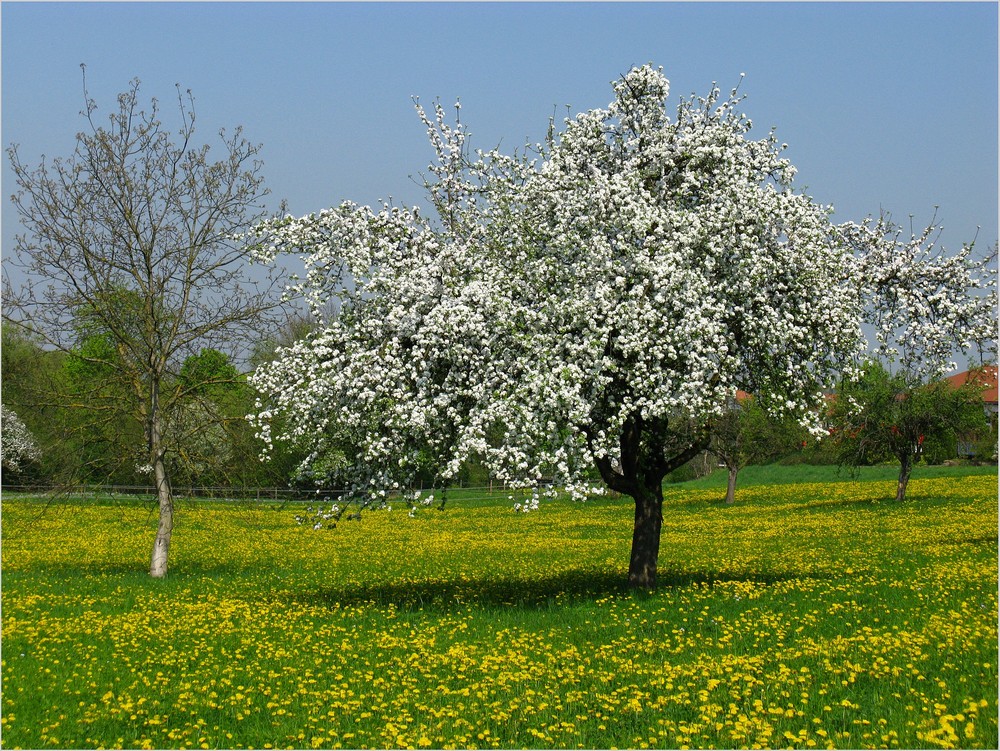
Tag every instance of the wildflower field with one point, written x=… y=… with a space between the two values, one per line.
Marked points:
x=807 y=615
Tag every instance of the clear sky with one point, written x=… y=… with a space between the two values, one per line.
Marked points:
x=884 y=105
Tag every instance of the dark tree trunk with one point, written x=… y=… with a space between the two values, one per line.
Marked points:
x=646 y=538
x=644 y=464
x=905 y=467
x=731 y=486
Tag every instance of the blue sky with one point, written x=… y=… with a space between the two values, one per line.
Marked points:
x=884 y=105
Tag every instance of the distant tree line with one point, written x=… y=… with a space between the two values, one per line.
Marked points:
x=64 y=421
x=76 y=411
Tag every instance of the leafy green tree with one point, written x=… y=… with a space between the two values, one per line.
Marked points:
x=210 y=371
x=746 y=433
x=31 y=375
x=98 y=400
x=80 y=413
x=216 y=445
x=881 y=417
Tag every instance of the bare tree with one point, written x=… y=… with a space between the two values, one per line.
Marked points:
x=135 y=239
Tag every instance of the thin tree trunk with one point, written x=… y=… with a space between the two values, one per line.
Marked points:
x=731 y=486
x=161 y=546
x=905 y=466
x=646 y=538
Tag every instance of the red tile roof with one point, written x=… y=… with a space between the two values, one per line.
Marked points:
x=986 y=376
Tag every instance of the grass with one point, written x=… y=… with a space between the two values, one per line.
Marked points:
x=778 y=474
x=807 y=615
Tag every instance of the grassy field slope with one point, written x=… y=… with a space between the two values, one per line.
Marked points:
x=807 y=615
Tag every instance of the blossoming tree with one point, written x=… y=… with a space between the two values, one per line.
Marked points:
x=923 y=305
x=584 y=309
x=17 y=445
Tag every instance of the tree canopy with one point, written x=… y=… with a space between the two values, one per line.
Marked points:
x=588 y=305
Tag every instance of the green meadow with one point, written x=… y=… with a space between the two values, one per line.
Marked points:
x=808 y=615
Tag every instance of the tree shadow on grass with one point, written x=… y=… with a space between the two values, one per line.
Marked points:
x=534 y=593
x=884 y=502
x=501 y=593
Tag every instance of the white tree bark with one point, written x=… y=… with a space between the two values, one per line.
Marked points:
x=161 y=545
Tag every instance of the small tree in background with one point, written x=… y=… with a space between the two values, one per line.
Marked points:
x=17 y=445
x=882 y=416
x=747 y=434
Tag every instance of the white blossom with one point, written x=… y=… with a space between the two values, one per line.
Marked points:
x=922 y=304
x=634 y=267
x=17 y=445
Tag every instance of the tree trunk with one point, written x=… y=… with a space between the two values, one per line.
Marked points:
x=646 y=538
x=640 y=475
x=731 y=487
x=161 y=546
x=905 y=466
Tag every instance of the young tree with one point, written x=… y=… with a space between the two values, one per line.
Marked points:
x=883 y=416
x=134 y=236
x=746 y=434
x=591 y=307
